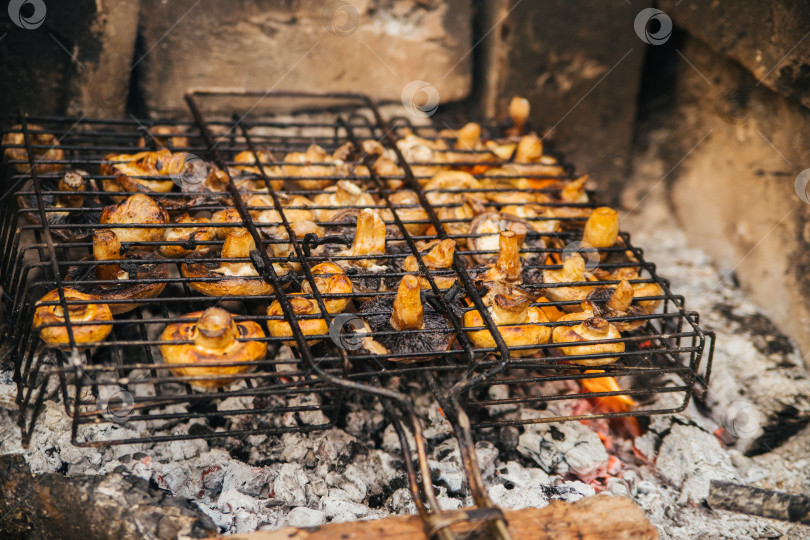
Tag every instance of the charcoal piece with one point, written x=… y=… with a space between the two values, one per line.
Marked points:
x=52 y=506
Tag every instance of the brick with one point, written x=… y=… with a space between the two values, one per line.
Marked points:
x=768 y=38
x=371 y=46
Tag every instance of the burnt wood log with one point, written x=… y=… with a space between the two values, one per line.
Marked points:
x=84 y=507
x=759 y=502
x=591 y=518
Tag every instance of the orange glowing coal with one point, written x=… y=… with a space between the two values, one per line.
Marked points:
x=607 y=384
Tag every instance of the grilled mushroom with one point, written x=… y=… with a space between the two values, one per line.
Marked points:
x=437 y=255
x=485 y=236
x=137 y=209
x=38 y=137
x=406 y=205
x=246 y=164
x=226 y=278
x=57 y=336
x=573 y=271
x=508 y=266
x=215 y=339
x=457 y=198
x=610 y=302
x=305 y=309
x=227 y=215
x=602 y=228
x=309 y=167
x=518 y=323
x=343 y=194
x=134 y=275
x=519 y=109
x=593 y=329
x=407 y=325
x=540 y=217
x=330 y=279
x=165 y=137
x=640 y=290
x=70 y=187
x=189 y=235
x=369 y=239
x=133 y=172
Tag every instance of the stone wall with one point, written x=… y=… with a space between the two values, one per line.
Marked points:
x=735 y=145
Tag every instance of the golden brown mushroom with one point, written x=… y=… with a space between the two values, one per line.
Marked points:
x=166 y=136
x=304 y=308
x=406 y=205
x=437 y=255
x=572 y=271
x=227 y=215
x=344 y=193
x=593 y=329
x=189 y=234
x=57 y=336
x=133 y=172
x=369 y=240
x=227 y=278
x=519 y=110
x=518 y=323
x=309 y=167
x=45 y=146
x=602 y=228
x=508 y=266
x=216 y=338
x=246 y=163
x=330 y=279
x=131 y=275
x=138 y=209
x=640 y=290
x=485 y=238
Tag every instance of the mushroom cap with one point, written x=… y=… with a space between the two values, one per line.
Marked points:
x=514 y=335
x=136 y=209
x=246 y=163
x=57 y=218
x=302 y=306
x=307 y=167
x=215 y=338
x=437 y=334
x=131 y=172
x=592 y=329
x=330 y=278
x=56 y=336
x=51 y=152
x=406 y=205
x=485 y=232
x=201 y=264
x=227 y=215
x=573 y=271
x=185 y=233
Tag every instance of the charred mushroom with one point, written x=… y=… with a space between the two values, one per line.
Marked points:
x=518 y=323
x=136 y=172
x=215 y=339
x=227 y=278
x=137 y=209
x=437 y=255
x=593 y=329
x=406 y=325
x=228 y=215
x=131 y=275
x=60 y=208
x=641 y=290
x=57 y=336
x=165 y=137
x=45 y=146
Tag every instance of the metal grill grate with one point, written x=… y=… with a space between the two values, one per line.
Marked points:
x=47 y=248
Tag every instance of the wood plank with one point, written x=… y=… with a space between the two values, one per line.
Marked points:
x=592 y=518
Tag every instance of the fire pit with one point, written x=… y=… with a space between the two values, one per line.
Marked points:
x=336 y=377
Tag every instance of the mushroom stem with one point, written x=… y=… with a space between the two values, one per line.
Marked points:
x=529 y=149
x=509 y=255
x=573 y=269
x=370 y=236
x=238 y=244
x=347 y=192
x=468 y=137
x=622 y=297
x=408 y=312
x=519 y=109
x=597 y=326
x=72 y=181
x=602 y=228
x=215 y=329
x=510 y=309
x=106 y=247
